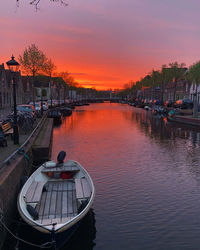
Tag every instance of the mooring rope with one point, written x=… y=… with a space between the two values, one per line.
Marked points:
x=45 y=245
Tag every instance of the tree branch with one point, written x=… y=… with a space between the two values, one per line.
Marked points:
x=36 y=2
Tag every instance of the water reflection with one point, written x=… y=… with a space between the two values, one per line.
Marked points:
x=157 y=126
x=110 y=127
x=146 y=175
x=83 y=238
x=170 y=134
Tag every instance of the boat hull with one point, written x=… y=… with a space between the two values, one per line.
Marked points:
x=60 y=239
x=53 y=228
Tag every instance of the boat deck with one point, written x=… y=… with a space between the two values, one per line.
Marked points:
x=58 y=203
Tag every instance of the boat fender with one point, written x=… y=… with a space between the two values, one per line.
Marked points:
x=44 y=189
x=83 y=205
x=66 y=175
x=32 y=212
x=23 y=180
x=50 y=164
x=61 y=156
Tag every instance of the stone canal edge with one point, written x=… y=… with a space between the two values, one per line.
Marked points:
x=21 y=164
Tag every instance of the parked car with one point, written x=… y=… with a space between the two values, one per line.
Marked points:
x=156 y=102
x=56 y=103
x=37 y=107
x=44 y=105
x=62 y=102
x=168 y=103
x=27 y=108
x=184 y=104
x=49 y=103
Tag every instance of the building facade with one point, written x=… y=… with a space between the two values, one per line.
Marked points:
x=6 y=88
x=195 y=90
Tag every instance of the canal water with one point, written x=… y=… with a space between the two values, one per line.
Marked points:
x=146 y=174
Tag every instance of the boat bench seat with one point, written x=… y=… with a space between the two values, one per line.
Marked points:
x=83 y=189
x=55 y=220
x=61 y=169
x=34 y=192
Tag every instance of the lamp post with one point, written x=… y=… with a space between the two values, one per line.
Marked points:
x=50 y=90
x=14 y=67
x=41 y=102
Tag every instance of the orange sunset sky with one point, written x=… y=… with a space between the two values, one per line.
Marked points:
x=104 y=43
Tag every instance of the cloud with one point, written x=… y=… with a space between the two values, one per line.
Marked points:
x=103 y=42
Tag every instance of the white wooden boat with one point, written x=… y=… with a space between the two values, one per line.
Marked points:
x=56 y=197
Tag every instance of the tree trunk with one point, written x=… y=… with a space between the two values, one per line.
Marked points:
x=51 y=97
x=162 y=93
x=151 y=93
x=33 y=88
x=175 y=91
x=195 y=105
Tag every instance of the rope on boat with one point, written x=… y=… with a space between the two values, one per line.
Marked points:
x=25 y=224
x=45 y=245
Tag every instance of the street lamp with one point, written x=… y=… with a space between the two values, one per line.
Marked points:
x=14 y=67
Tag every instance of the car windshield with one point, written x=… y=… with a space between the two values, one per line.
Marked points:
x=24 y=108
x=187 y=101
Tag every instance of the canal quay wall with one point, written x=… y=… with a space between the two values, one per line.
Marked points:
x=18 y=166
x=41 y=150
x=185 y=120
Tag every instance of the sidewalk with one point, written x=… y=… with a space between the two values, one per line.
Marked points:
x=6 y=151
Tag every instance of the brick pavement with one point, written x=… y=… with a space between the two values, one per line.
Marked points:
x=6 y=151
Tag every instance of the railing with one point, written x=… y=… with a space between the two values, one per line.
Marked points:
x=21 y=148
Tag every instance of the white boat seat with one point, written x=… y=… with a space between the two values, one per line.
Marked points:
x=34 y=192
x=55 y=220
x=83 y=189
x=61 y=169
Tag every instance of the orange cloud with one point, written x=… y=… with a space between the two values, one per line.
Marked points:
x=108 y=42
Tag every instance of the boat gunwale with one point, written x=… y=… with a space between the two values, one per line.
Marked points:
x=62 y=226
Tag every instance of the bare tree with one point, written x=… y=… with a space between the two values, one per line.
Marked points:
x=67 y=77
x=49 y=68
x=37 y=2
x=33 y=62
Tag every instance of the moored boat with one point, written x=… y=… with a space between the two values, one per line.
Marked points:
x=65 y=111
x=56 y=115
x=56 y=197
